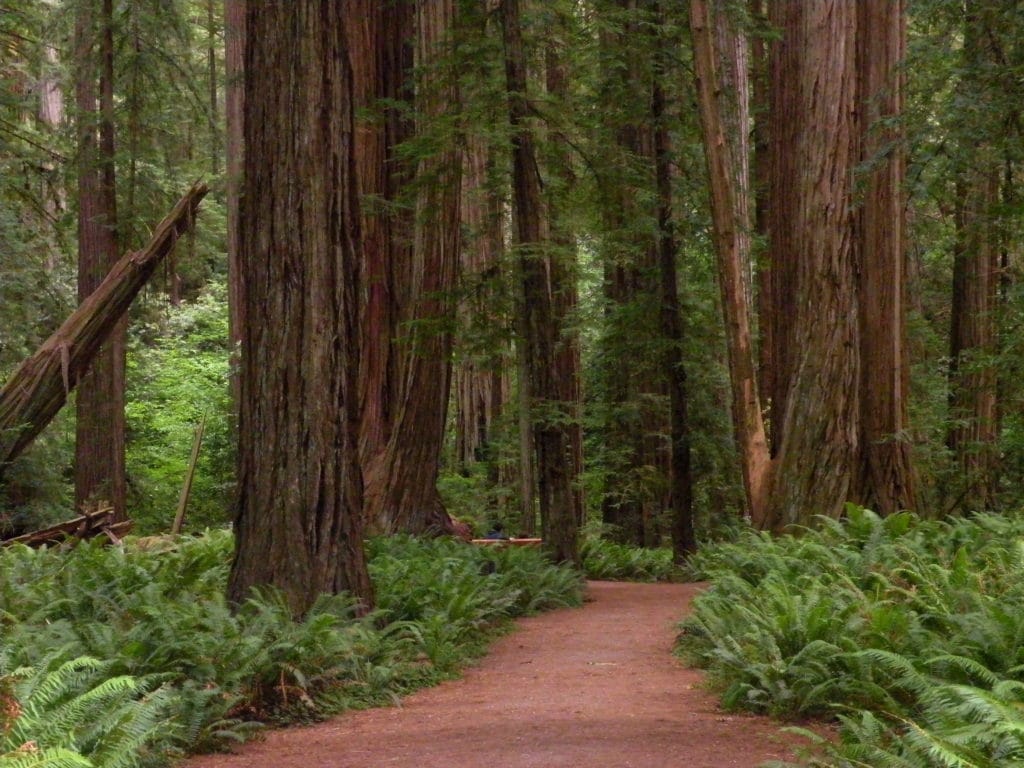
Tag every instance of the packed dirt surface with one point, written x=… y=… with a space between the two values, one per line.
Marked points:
x=595 y=687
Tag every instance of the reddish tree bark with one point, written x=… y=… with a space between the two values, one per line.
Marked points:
x=885 y=481
x=401 y=488
x=720 y=61
x=234 y=111
x=552 y=442
x=298 y=525
x=684 y=541
x=814 y=146
x=99 y=433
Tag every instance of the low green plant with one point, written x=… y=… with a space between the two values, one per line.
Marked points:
x=907 y=631
x=146 y=633
x=603 y=559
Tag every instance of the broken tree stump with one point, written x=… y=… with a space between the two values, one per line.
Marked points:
x=39 y=387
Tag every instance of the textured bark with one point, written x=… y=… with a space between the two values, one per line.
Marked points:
x=684 y=541
x=973 y=398
x=211 y=76
x=629 y=259
x=298 y=524
x=234 y=110
x=886 y=477
x=972 y=374
x=401 y=488
x=761 y=172
x=563 y=266
x=814 y=142
x=720 y=62
x=552 y=442
x=39 y=387
x=480 y=388
x=381 y=59
x=99 y=433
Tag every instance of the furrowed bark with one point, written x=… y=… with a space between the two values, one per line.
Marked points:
x=727 y=153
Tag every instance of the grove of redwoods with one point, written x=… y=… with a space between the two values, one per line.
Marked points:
x=644 y=267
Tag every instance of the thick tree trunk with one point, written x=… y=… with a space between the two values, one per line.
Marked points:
x=234 y=109
x=629 y=259
x=973 y=383
x=684 y=541
x=381 y=59
x=563 y=268
x=885 y=480
x=552 y=441
x=99 y=434
x=480 y=391
x=298 y=525
x=725 y=120
x=41 y=384
x=814 y=143
x=401 y=489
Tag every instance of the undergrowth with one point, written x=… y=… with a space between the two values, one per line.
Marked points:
x=603 y=559
x=124 y=657
x=910 y=633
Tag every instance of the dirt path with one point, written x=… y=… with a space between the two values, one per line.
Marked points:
x=594 y=688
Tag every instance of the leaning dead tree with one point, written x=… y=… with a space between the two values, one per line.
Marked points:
x=40 y=386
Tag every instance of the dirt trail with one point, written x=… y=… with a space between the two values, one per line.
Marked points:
x=594 y=687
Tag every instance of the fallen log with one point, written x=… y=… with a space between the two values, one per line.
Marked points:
x=97 y=523
x=40 y=386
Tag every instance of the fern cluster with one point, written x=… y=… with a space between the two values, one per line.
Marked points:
x=127 y=656
x=603 y=559
x=910 y=632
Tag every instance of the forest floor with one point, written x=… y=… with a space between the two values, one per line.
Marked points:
x=594 y=687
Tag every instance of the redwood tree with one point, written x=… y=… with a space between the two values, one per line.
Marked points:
x=99 y=438
x=298 y=523
x=539 y=331
x=401 y=484
x=720 y=61
x=973 y=339
x=838 y=357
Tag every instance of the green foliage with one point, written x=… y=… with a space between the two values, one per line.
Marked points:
x=909 y=631
x=127 y=655
x=609 y=560
x=178 y=373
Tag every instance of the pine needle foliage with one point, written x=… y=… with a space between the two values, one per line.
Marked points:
x=117 y=657
x=908 y=632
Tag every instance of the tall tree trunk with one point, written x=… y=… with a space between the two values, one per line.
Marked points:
x=298 y=525
x=234 y=109
x=814 y=143
x=563 y=267
x=381 y=59
x=838 y=360
x=211 y=75
x=684 y=541
x=972 y=374
x=552 y=442
x=886 y=478
x=629 y=258
x=99 y=438
x=973 y=382
x=403 y=496
x=479 y=374
x=725 y=120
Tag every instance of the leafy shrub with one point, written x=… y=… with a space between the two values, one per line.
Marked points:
x=604 y=559
x=145 y=634
x=908 y=631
